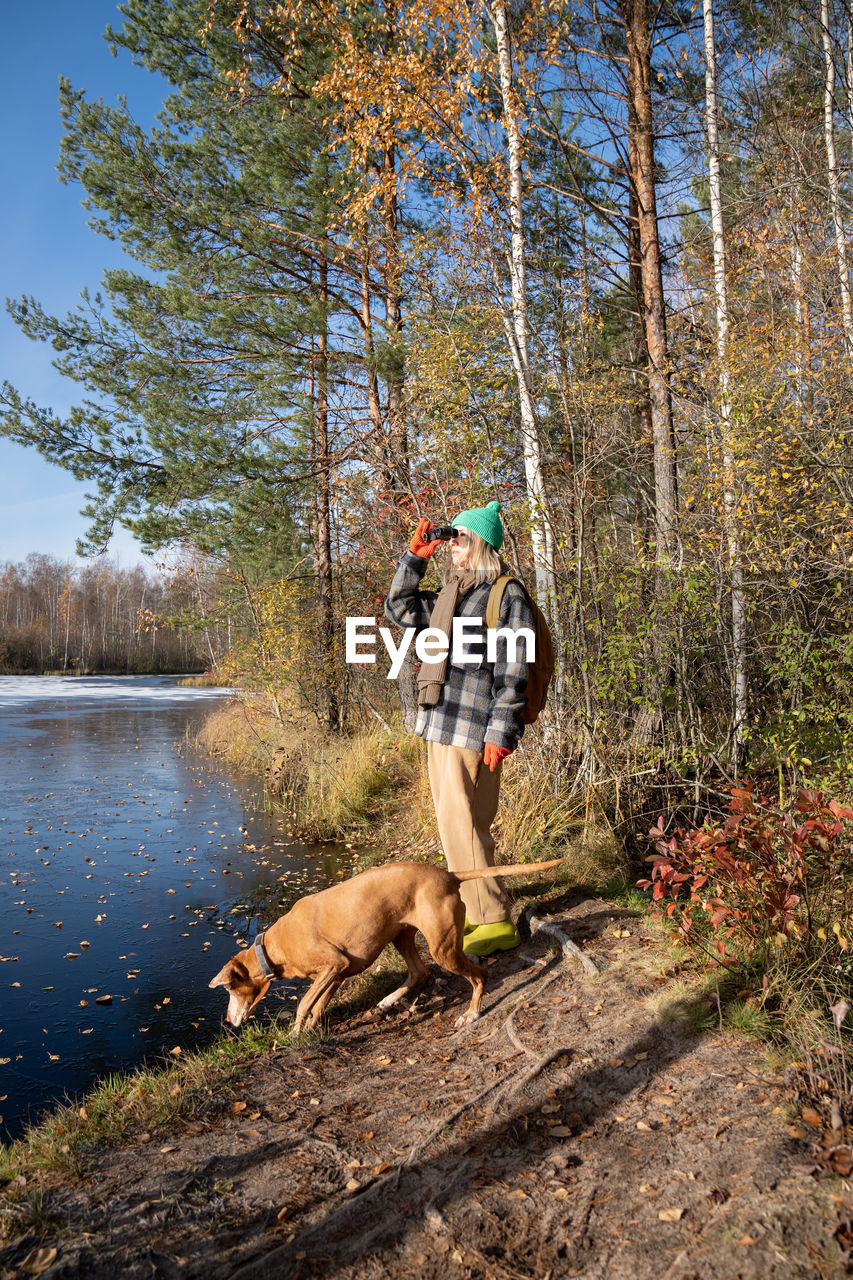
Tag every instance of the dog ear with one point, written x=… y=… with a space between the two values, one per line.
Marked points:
x=223 y=978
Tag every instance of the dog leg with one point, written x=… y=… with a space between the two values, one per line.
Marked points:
x=418 y=972
x=444 y=935
x=313 y=1004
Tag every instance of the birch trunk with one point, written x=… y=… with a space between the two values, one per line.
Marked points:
x=323 y=536
x=518 y=328
x=397 y=433
x=740 y=692
x=832 y=175
x=383 y=470
x=849 y=51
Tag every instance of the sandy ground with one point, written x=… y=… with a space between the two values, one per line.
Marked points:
x=575 y=1130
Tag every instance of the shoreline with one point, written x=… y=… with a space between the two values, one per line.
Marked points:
x=386 y=1143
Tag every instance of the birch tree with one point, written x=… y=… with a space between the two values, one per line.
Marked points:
x=832 y=175
x=730 y=503
x=517 y=325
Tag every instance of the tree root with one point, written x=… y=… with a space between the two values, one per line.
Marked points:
x=570 y=949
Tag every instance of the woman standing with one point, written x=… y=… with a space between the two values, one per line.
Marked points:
x=468 y=713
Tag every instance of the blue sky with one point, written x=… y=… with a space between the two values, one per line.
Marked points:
x=46 y=247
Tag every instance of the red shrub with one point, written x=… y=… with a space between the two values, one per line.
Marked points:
x=766 y=876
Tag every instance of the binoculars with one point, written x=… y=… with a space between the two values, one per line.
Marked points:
x=443 y=531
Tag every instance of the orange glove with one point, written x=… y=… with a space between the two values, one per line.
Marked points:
x=420 y=548
x=492 y=755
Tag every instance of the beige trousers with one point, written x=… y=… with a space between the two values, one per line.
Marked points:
x=465 y=795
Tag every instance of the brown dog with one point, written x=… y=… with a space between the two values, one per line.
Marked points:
x=334 y=934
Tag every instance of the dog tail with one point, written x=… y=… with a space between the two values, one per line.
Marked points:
x=516 y=869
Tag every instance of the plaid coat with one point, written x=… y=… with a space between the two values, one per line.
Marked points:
x=481 y=702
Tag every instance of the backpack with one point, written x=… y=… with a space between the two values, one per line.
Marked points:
x=542 y=667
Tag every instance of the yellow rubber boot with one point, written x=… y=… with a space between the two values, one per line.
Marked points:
x=485 y=939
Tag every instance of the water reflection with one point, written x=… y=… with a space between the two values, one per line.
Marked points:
x=132 y=869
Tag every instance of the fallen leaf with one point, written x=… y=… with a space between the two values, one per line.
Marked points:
x=38 y=1261
x=747 y=1240
x=812 y=1118
x=670 y=1215
x=239 y=1106
x=641 y=1124
x=176 y=1051
x=103 y=999
x=560 y=1131
x=380 y=1168
x=353 y=1185
x=796 y=1131
x=365 y=1137
x=164 y=1151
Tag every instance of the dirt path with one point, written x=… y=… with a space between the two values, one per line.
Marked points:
x=574 y=1131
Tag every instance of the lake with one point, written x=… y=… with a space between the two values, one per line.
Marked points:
x=133 y=866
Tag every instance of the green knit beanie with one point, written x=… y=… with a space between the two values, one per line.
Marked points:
x=485 y=521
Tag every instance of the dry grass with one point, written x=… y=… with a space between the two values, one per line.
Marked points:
x=332 y=786
x=122 y=1107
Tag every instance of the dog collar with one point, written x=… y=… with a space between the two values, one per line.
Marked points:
x=262 y=957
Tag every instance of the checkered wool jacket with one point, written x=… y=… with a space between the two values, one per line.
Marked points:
x=481 y=702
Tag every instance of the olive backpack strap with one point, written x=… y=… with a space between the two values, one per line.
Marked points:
x=496 y=595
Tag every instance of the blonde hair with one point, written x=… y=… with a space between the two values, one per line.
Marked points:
x=483 y=561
